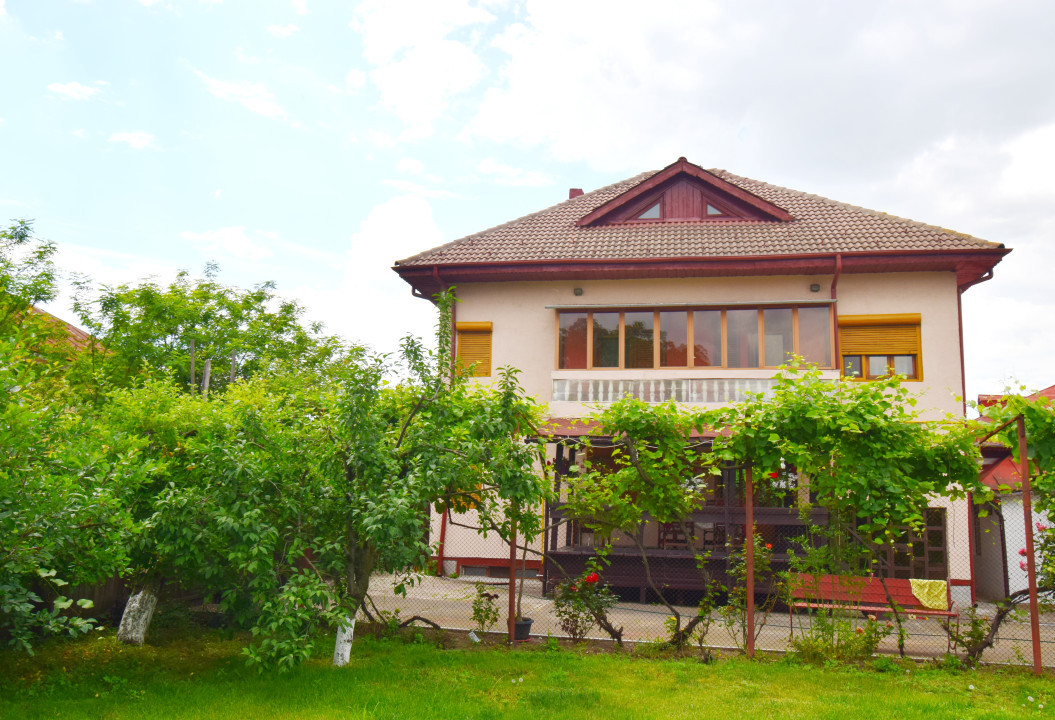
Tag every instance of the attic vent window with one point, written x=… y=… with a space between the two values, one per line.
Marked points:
x=712 y=210
x=651 y=214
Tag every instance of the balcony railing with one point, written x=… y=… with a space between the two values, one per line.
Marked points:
x=683 y=390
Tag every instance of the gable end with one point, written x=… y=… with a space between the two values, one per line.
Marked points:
x=683 y=192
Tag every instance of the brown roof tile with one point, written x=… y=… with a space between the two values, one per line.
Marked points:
x=820 y=226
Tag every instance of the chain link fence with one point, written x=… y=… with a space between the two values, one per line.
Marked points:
x=932 y=592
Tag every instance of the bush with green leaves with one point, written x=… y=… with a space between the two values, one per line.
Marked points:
x=65 y=474
x=485 y=607
x=733 y=614
x=584 y=602
x=837 y=636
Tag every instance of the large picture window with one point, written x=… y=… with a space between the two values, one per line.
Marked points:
x=740 y=337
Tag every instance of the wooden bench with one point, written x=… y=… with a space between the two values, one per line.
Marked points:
x=861 y=594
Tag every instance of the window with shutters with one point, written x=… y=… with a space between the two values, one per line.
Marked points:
x=473 y=345
x=874 y=346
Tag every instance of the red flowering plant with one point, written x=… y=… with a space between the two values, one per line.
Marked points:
x=733 y=615
x=582 y=603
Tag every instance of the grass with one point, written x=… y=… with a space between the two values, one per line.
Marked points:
x=203 y=675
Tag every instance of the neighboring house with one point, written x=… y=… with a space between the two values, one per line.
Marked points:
x=1001 y=534
x=78 y=339
x=693 y=285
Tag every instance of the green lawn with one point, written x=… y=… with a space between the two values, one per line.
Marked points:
x=204 y=676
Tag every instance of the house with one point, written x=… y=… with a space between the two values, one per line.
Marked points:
x=693 y=285
x=1001 y=532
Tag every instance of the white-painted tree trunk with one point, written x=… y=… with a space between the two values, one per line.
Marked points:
x=135 y=621
x=342 y=651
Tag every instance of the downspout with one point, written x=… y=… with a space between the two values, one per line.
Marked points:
x=838 y=359
x=971 y=539
x=960 y=290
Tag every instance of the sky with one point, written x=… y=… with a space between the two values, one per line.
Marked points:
x=313 y=142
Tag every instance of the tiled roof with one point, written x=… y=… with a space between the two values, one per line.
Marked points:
x=78 y=338
x=820 y=226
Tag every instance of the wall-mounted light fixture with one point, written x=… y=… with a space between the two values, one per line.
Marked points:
x=577 y=291
x=815 y=287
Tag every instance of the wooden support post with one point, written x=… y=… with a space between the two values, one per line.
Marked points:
x=749 y=559
x=193 y=374
x=443 y=541
x=205 y=376
x=1031 y=565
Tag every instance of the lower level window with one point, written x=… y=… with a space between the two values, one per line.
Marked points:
x=877 y=366
x=875 y=346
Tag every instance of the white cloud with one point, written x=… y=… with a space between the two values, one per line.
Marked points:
x=413 y=188
x=216 y=193
x=388 y=28
x=148 y=3
x=282 y=31
x=355 y=79
x=300 y=6
x=79 y=133
x=59 y=36
x=230 y=242
x=73 y=90
x=137 y=140
x=410 y=166
x=3 y=10
x=418 y=69
x=1029 y=171
x=502 y=174
x=582 y=80
x=392 y=231
x=253 y=96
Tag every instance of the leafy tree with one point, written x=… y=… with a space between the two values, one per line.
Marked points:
x=658 y=474
x=63 y=474
x=192 y=324
x=286 y=493
x=860 y=444
x=436 y=438
x=27 y=270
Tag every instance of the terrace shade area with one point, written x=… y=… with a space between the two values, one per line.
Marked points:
x=682 y=557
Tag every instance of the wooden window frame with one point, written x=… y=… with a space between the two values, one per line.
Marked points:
x=690 y=335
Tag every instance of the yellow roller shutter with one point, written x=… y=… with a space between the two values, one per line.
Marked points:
x=879 y=340
x=474 y=347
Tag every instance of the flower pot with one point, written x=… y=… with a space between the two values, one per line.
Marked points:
x=521 y=629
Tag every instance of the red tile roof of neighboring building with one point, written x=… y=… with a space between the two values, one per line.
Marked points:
x=77 y=337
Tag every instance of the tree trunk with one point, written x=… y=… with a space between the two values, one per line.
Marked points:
x=342 y=651
x=360 y=559
x=139 y=611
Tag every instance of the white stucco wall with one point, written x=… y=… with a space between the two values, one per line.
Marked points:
x=525 y=336
x=524 y=324
x=1015 y=539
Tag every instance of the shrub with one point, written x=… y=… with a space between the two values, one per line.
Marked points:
x=582 y=603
